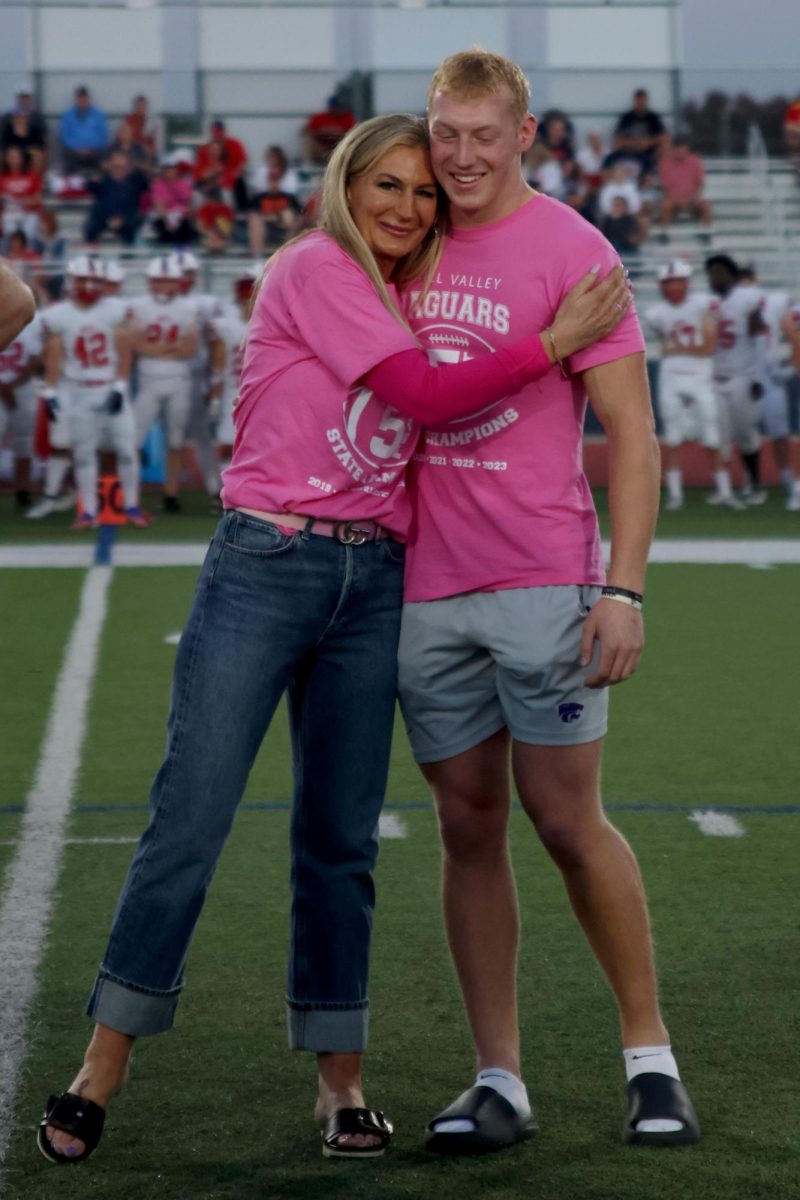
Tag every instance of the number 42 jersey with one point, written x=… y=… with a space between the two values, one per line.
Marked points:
x=87 y=335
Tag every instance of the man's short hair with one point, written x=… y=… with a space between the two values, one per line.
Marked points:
x=725 y=261
x=81 y=90
x=471 y=74
x=681 y=140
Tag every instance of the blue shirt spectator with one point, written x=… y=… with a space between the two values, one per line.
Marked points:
x=84 y=133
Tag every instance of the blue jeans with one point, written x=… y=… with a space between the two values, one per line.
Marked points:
x=272 y=613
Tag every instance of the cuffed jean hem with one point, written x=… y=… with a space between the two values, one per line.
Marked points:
x=130 y=1010
x=327 y=1030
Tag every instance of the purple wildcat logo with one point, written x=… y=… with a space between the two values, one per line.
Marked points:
x=570 y=712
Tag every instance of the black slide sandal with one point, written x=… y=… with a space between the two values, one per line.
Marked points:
x=653 y=1096
x=71 y=1114
x=356 y=1121
x=496 y=1124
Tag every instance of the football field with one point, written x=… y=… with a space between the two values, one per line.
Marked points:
x=701 y=775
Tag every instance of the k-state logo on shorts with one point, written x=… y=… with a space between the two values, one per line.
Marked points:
x=570 y=712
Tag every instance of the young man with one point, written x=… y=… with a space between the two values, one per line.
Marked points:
x=164 y=340
x=737 y=309
x=687 y=332
x=774 y=372
x=226 y=360
x=207 y=308
x=509 y=637
x=87 y=363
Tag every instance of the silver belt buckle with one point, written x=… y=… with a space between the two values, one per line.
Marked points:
x=350 y=534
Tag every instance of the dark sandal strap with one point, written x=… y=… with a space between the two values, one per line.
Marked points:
x=653 y=1096
x=72 y=1114
x=496 y=1123
x=348 y=1121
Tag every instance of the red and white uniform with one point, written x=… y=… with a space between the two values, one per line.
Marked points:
x=774 y=371
x=89 y=369
x=14 y=360
x=164 y=384
x=736 y=369
x=230 y=329
x=686 y=399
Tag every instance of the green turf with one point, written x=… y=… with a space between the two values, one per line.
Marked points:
x=195 y=524
x=38 y=609
x=220 y=1109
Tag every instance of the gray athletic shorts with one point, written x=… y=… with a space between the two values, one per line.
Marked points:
x=470 y=665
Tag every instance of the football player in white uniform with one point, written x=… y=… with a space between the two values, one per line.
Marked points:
x=208 y=307
x=737 y=311
x=226 y=360
x=687 y=331
x=164 y=340
x=775 y=371
x=87 y=364
x=20 y=364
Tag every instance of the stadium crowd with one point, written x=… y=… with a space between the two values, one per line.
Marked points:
x=171 y=355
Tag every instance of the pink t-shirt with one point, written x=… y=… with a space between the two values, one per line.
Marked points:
x=682 y=180
x=309 y=440
x=500 y=499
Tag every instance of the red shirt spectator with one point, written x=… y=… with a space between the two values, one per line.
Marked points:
x=323 y=130
x=221 y=160
x=20 y=186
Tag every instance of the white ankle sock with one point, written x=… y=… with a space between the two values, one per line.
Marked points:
x=642 y=1059
x=722 y=480
x=504 y=1082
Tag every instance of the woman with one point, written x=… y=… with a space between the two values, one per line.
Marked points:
x=301 y=593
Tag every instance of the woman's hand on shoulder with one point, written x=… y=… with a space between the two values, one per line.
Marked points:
x=590 y=311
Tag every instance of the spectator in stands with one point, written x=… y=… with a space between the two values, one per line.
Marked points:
x=275 y=160
x=214 y=219
x=117 y=207
x=590 y=159
x=618 y=183
x=621 y=227
x=84 y=134
x=640 y=132
x=20 y=193
x=543 y=171
x=791 y=134
x=274 y=214
x=578 y=192
x=221 y=163
x=25 y=128
x=171 y=195
x=324 y=130
x=142 y=128
x=682 y=178
x=19 y=249
x=138 y=154
x=556 y=132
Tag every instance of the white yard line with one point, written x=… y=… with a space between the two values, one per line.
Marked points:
x=717 y=824
x=712 y=552
x=392 y=826
x=32 y=875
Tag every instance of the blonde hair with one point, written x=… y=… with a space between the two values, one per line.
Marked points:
x=357 y=153
x=472 y=74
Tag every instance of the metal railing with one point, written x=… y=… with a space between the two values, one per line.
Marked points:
x=763 y=185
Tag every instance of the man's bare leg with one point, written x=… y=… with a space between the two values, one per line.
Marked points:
x=472 y=795
x=559 y=787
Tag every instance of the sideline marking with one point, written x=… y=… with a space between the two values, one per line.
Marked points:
x=758 y=810
x=32 y=875
x=172 y=639
x=716 y=824
x=703 y=551
x=392 y=826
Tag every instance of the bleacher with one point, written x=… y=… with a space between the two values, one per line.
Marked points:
x=756 y=219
